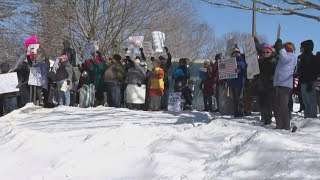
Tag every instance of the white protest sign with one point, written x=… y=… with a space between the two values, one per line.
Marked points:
x=158 y=39
x=134 y=45
x=135 y=94
x=227 y=68
x=9 y=83
x=32 y=49
x=174 y=102
x=90 y=48
x=35 y=78
x=147 y=48
x=251 y=57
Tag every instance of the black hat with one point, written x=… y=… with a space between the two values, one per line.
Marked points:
x=117 y=57
x=307 y=45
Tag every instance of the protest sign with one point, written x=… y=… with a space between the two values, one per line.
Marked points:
x=230 y=45
x=135 y=94
x=35 y=78
x=251 y=57
x=147 y=48
x=158 y=39
x=9 y=83
x=89 y=49
x=134 y=45
x=174 y=102
x=227 y=68
x=32 y=48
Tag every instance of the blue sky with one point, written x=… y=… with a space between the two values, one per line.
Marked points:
x=293 y=28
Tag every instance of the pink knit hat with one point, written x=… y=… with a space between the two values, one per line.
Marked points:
x=267 y=48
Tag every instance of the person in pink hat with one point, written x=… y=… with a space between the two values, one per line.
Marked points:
x=264 y=83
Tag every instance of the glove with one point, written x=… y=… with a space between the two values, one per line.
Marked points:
x=139 y=84
x=278 y=45
x=68 y=82
x=54 y=85
x=309 y=87
x=165 y=48
x=141 y=49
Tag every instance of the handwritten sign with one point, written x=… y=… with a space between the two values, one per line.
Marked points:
x=9 y=83
x=89 y=49
x=134 y=45
x=158 y=39
x=174 y=102
x=35 y=78
x=251 y=57
x=147 y=48
x=32 y=49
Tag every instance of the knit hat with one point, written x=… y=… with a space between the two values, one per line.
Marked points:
x=5 y=67
x=289 y=46
x=218 y=56
x=207 y=62
x=117 y=57
x=307 y=45
x=267 y=48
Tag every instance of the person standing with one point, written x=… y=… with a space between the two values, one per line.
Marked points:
x=156 y=85
x=207 y=87
x=283 y=82
x=237 y=84
x=264 y=84
x=218 y=82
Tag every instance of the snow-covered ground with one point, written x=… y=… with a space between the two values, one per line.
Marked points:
x=106 y=143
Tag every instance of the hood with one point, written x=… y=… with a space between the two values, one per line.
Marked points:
x=307 y=46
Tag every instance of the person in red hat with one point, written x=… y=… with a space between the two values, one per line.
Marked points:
x=263 y=83
x=283 y=82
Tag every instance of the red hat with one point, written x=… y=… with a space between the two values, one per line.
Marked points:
x=289 y=46
x=267 y=48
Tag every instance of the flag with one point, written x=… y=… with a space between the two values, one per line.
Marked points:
x=227 y=68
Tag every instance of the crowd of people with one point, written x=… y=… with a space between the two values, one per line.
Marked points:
x=281 y=76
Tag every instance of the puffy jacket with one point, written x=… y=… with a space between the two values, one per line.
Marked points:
x=156 y=82
x=307 y=69
x=285 y=69
x=264 y=80
x=241 y=79
x=136 y=75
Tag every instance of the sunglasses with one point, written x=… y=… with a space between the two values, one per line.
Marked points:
x=266 y=53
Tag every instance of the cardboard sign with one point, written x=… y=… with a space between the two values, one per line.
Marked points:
x=134 y=45
x=174 y=102
x=9 y=83
x=251 y=58
x=32 y=49
x=147 y=48
x=158 y=39
x=35 y=78
x=226 y=68
x=230 y=45
x=64 y=86
x=89 y=49
x=135 y=94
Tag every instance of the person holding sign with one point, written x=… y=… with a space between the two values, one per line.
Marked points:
x=263 y=83
x=237 y=84
x=63 y=79
x=283 y=82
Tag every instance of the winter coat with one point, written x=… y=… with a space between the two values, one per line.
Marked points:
x=64 y=72
x=264 y=80
x=181 y=75
x=156 y=82
x=23 y=72
x=307 y=69
x=136 y=75
x=95 y=70
x=115 y=73
x=207 y=84
x=242 y=75
x=285 y=69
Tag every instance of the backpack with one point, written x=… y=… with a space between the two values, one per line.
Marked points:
x=87 y=96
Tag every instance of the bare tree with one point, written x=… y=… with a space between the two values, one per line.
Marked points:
x=304 y=8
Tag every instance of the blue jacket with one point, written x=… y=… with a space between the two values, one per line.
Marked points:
x=242 y=75
x=285 y=69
